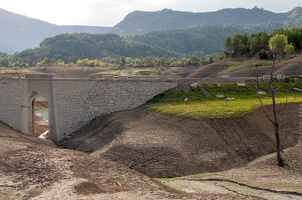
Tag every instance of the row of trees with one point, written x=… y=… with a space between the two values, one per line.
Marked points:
x=192 y=60
x=147 y=61
x=285 y=40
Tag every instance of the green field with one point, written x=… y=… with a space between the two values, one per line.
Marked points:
x=195 y=104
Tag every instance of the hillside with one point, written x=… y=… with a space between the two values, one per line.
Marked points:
x=70 y=47
x=202 y=40
x=19 y=32
x=159 y=145
x=290 y=66
x=34 y=169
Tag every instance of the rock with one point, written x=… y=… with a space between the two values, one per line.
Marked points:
x=261 y=92
x=194 y=85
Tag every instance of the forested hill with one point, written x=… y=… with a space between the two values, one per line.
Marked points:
x=19 y=32
x=143 y=22
x=70 y=47
x=201 y=41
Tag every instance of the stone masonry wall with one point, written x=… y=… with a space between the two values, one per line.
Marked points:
x=78 y=102
x=11 y=101
x=73 y=102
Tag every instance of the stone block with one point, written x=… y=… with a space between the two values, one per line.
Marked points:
x=40 y=76
x=225 y=76
x=107 y=77
x=241 y=84
x=266 y=77
x=261 y=92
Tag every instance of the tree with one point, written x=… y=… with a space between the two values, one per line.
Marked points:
x=259 y=42
x=277 y=43
x=289 y=48
x=122 y=61
x=193 y=60
x=273 y=89
x=5 y=62
x=228 y=47
x=46 y=61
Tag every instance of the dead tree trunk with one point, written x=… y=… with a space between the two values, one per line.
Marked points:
x=275 y=120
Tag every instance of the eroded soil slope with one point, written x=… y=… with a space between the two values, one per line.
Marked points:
x=32 y=168
x=163 y=146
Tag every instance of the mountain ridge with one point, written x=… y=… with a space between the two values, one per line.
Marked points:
x=144 y=22
x=20 y=32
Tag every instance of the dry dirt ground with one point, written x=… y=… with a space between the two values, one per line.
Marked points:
x=289 y=66
x=261 y=178
x=158 y=145
x=32 y=168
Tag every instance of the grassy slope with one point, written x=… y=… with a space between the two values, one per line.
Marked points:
x=195 y=104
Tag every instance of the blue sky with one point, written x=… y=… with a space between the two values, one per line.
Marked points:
x=110 y=12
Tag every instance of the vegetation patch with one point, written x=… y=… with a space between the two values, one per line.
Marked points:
x=234 y=101
x=260 y=64
x=135 y=71
x=231 y=66
x=20 y=70
x=219 y=108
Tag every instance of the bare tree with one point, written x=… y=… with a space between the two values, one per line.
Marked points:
x=275 y=118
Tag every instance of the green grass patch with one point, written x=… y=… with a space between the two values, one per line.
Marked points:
x=209 y=108
x=231 y=66
x=21 y=71
x=195 y=104
x=177 y=97
x=260 y=64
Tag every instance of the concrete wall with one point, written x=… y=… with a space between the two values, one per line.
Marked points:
x=72 y=103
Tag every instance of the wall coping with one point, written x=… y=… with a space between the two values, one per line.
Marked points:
x=93 y=77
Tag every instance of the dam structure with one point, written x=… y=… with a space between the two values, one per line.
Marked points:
x=73 y=103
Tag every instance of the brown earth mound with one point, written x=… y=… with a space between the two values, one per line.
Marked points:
x=31 y=168
x=290 y=66
x=71 y=72
x=163 y=146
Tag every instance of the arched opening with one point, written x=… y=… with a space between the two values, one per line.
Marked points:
x=40 y=115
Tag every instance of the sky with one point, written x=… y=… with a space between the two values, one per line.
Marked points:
x=110 y=12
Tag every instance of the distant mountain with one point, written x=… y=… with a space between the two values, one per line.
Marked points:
x=139 y=22
x=294 y=18
x=19 y=32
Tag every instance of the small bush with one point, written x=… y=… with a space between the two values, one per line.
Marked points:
x=260 y=64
